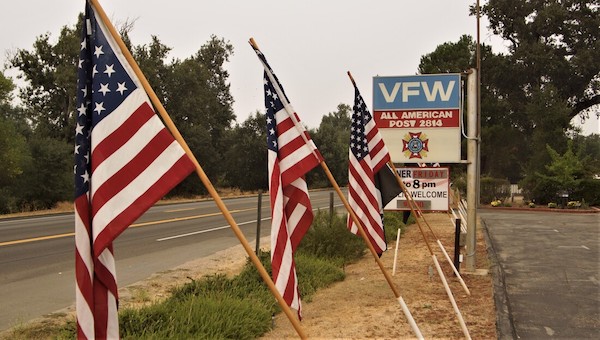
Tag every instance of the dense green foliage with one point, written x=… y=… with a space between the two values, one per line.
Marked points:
x=332 y=138
x=328 y=239
x=246 y=158
x=530 y=95
x=552 y=43
x=494 y=189
x=36 y=143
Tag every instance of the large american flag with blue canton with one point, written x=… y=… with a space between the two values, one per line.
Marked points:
x=291 y=154
x=371 y=182
x=125 y=161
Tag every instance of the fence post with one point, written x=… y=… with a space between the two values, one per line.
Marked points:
x=330 y=207
x=258 y=218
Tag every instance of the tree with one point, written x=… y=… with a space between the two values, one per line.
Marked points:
x=51 y=73
x=194 y=91
x=6 y=87
x=589 y=146
x=563 y=175
x=246 y=158
x=567 y=170
x=450 y=57
x=48 y=176
x=14 y=153
x=332 y=139
x=200 y=103
x=552 y=42
x=151 y=59
x=503 y=145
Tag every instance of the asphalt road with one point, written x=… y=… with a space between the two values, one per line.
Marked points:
x=546 y=273
x=37 y=253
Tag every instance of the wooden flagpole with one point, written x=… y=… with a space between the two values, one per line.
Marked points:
x=332 y=180
x=461 y=321
x=200 y=172
x=363 y=234
x=437 y=265
x=415 y=208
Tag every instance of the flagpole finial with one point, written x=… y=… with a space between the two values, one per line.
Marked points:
x=351 y=78
x=253 y=43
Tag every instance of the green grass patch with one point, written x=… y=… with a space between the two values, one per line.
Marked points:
x=209 y=316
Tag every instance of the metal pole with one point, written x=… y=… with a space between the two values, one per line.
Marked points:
x=478 y=134
x=331 y=208
x=471 y=169
x=258 y=219
x=457 y=244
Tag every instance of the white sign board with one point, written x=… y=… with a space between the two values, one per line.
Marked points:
x=419 y=117
x=429 y=188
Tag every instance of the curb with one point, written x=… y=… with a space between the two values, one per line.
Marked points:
x=505 y=326
x=555 y=210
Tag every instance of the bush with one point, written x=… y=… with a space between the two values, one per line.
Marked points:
x=540 y=189
x=314 y=273
x=392 y=221
x=218 y=307
x=588 y=191
x=241 y=307
x=329 y=238
x=209 y=316
x=494 y=188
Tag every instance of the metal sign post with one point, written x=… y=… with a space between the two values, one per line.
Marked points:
x=471 y=171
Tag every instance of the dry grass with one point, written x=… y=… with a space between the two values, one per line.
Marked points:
x=363 y=306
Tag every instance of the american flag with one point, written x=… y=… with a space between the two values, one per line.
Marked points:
x=125 y=161
x=291 y=154
x=371 y=182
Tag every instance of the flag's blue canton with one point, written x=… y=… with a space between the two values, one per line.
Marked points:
x=360 y=118
x=273 y=104
x=102 y=86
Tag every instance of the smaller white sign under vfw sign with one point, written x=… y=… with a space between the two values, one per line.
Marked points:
x=428 y=187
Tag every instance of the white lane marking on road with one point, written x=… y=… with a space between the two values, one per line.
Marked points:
x=217 y=228
x=206 y=230
x=575 y=247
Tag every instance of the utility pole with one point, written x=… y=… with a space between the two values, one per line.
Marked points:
x=472 y=173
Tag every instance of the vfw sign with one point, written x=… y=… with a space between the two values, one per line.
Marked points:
x=419 y=117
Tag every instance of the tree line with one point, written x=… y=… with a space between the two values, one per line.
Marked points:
x=528 y=98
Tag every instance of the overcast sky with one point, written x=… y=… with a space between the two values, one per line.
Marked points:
x=310 y=44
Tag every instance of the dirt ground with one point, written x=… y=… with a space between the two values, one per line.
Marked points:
x=363 y=306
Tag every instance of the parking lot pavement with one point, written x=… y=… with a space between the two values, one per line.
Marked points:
x=546 y=268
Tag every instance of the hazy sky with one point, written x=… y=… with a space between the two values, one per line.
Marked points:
x=309 y=44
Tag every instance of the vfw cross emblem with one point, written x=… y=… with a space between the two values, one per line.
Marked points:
x=415 y=145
